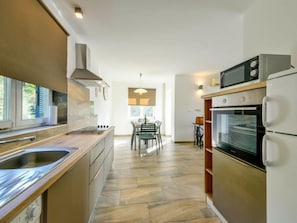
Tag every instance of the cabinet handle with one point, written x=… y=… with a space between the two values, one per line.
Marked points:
x=97 y=174
x=234 y=159
x=237 y=108
x=264 y=111
x=31 y=138
x=238 y=161
x=264 y=150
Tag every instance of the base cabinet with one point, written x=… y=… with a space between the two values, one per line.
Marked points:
x=239 y=190
x=74 y=196
x=67 y=199
x=96 y=179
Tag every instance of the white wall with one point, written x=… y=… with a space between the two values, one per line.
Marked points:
x=188 y=104
x=101 y=105
x=119 y=108
x=270 y=27
x=168 y=106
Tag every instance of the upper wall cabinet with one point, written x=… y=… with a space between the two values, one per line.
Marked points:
x=33 y=46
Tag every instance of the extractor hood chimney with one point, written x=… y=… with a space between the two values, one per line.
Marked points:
x=81 y=74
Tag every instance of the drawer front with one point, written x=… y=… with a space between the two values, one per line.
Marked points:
x=239 y=190
x=96 y=187
x=108 y=163
x=95 y=152
x=96 y=166
x=109 y=142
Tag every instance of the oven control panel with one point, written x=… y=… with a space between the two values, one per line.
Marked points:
x=251 y=97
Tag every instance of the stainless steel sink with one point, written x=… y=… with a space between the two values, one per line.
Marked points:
x=20 y=170
x=31 y=158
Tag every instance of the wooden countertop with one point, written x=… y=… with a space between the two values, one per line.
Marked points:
x=83 y=142
x=234 y=90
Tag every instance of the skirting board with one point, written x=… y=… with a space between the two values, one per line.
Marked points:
x=220 y=216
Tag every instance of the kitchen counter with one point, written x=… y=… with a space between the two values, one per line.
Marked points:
x=83 y=142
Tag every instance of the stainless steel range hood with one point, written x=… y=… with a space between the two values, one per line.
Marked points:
x=81 y=74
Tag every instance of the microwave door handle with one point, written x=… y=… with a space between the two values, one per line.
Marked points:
x=264 y=111
x=221 y=77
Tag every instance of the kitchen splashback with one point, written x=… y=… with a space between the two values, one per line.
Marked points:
x=79 y=115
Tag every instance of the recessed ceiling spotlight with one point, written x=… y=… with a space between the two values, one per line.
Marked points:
x=78 y=12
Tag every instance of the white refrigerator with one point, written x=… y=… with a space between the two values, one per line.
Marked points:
x=280 y=146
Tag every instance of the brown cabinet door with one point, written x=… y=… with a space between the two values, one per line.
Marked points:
x=239 y=190
x=67 y=199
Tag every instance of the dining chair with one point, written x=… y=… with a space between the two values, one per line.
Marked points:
x=158 y=132
x=135 y=133
x=148 y=132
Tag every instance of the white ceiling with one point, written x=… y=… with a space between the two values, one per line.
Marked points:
x=158 y=38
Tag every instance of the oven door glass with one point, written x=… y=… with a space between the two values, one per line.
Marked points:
x=239 y=132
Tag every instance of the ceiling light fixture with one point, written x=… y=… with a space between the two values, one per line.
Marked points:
x=140 y=90
x=78 y=12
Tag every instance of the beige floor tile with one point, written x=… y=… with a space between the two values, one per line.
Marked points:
x=175 y=211
x=108 y=199
x=189 y=179
x=154 y=180
x=120 y=183
x=141 y=195
x=128 y=213
x=175 y=192
x=166 y=188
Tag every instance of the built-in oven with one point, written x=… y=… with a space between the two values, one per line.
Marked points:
x=237 y=127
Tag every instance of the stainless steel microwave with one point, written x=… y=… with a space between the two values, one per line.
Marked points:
x=255 y=69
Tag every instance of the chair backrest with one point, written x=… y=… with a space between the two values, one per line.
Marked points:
x=199 y=120
x=158 y=125
x=134 y=127
x=148 y=127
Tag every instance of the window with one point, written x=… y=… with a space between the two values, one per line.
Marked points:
x=34 y=101
x=5 y=105
x=139 y=112
x=141 y=106
x=22 y=104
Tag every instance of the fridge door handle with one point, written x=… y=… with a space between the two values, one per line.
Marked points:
x=264 y=150
x=264 y=111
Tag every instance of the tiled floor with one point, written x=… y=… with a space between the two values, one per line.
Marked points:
x=155 y=189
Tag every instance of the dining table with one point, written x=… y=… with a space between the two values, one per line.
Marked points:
x=137 y=130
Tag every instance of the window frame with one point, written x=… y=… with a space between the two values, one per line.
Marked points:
x=8 y=104
x=19 y=122
x=14 y=108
